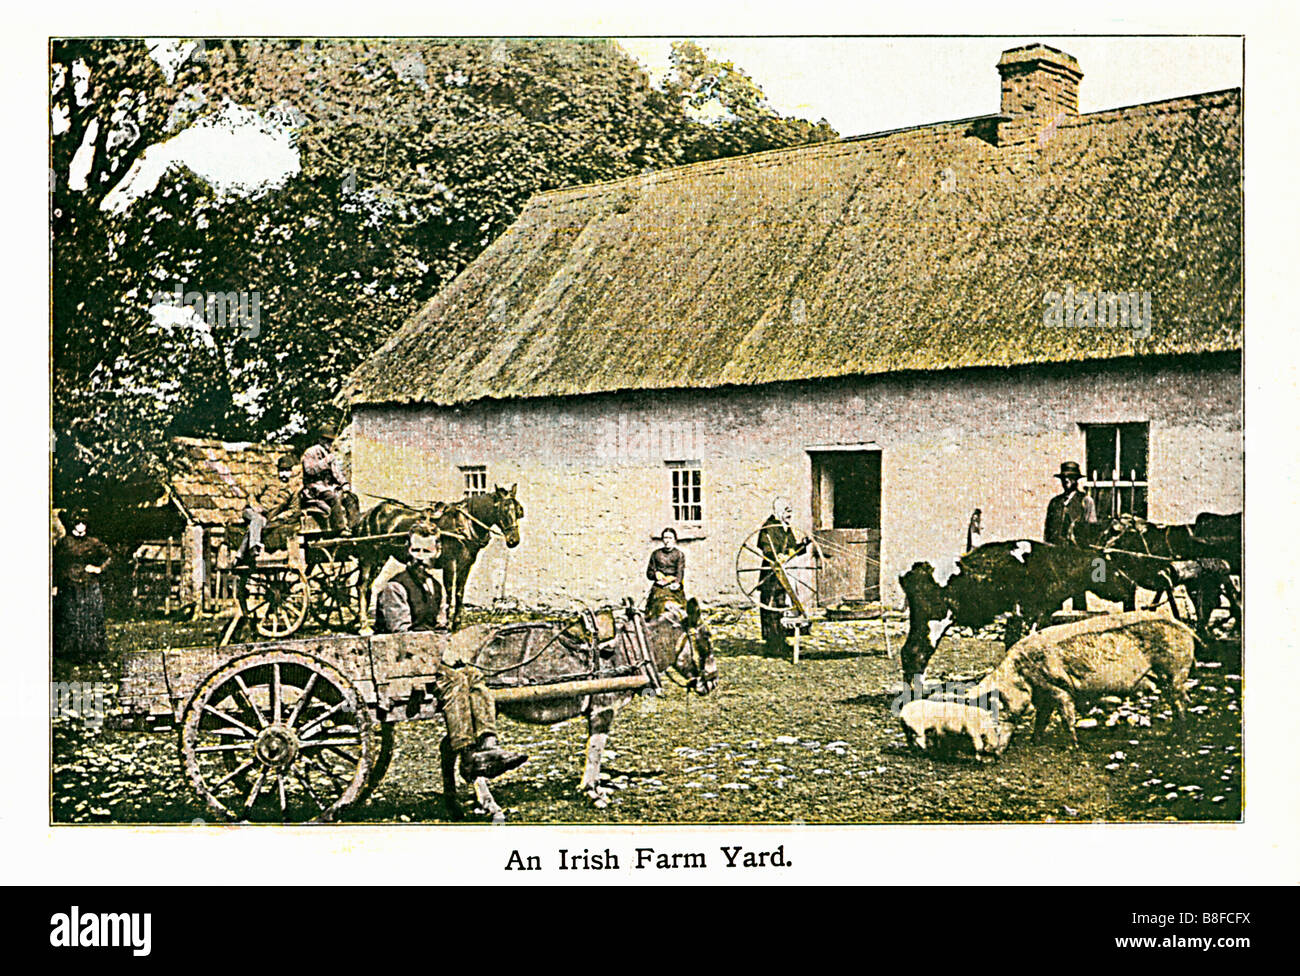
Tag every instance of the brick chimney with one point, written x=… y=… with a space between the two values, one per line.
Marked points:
x=1039 y=85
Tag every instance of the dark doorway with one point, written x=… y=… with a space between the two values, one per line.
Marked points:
x=846 y=522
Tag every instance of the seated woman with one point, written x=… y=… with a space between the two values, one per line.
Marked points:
x=668 y=571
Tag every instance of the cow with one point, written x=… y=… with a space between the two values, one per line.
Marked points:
x=1028 y=579
x=928 y=722
x=1104 y=655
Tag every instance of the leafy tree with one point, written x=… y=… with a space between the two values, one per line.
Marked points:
x=414 y=156
x=735 y=115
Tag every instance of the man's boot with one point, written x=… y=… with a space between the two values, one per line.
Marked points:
x=488 y=759
x=338 y=519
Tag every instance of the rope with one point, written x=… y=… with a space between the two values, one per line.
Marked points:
x=515 y=667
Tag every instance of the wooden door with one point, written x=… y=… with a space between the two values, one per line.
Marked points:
x=846 y=524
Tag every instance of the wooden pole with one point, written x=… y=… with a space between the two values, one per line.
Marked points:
x=167 y=582
x=568 y=689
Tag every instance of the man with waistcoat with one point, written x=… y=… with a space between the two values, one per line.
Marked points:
x=412 y=601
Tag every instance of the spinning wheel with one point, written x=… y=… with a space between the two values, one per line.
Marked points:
x=793 y=575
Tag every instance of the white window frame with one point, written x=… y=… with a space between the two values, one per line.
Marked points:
x=1113 y=480
x=687 y=528
x=470 y=473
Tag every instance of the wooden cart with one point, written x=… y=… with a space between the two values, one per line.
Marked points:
x=317 y=575
x=299 y=730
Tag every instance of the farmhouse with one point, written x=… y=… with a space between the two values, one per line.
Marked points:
x=874 y=328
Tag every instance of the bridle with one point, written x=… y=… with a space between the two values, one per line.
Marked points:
x=463 y=510
x=689 y=682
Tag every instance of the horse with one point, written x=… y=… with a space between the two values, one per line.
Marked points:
x=465 y=529
x=521 y=654
x=1200 y=561
x=389 y=517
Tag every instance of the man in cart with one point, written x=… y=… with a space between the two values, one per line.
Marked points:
x=325 y=490
x=412 y=600
x=274 y=499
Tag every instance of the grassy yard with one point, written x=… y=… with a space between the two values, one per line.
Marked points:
x=780 y=743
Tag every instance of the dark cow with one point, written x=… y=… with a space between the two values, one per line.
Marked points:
x=1028 y=579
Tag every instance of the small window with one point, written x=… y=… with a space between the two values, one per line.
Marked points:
x=1117 y=467
x=475 y=479
x=687 y=492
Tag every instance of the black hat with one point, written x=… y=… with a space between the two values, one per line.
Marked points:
x=1069 y=469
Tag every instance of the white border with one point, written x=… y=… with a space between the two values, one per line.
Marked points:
x=1263 y=850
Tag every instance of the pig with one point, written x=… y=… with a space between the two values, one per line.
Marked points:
x=928 y=721
x=1111 y=654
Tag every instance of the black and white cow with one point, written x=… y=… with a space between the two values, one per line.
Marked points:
x=1028 y=579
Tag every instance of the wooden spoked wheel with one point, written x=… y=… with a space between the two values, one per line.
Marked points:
x=334 y=581
x=278 y=737
x=753 y=568
x=275 y=598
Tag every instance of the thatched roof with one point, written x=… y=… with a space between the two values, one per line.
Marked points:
x=212 y=480
x=923 y=249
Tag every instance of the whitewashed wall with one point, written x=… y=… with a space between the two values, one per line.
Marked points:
x=594 y=484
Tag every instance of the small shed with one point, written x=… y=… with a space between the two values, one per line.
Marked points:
x=183 y=558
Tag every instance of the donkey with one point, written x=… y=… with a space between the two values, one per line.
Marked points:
x=1200 y=557
x=530 y=653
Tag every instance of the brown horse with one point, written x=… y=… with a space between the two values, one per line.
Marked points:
x=465 y=529
x=534 y=653
x=389 y=517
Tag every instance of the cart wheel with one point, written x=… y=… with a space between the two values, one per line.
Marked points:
x=387 y=735
x=802 y=570
x=276 y=599
x=334 y=583
x=279 y=737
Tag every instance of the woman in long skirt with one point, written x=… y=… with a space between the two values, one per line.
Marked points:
x=79 y=561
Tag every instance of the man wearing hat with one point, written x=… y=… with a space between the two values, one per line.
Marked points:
x=1065 y=512
x=324 y=486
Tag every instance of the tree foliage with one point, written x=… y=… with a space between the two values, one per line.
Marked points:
x=413 y=154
